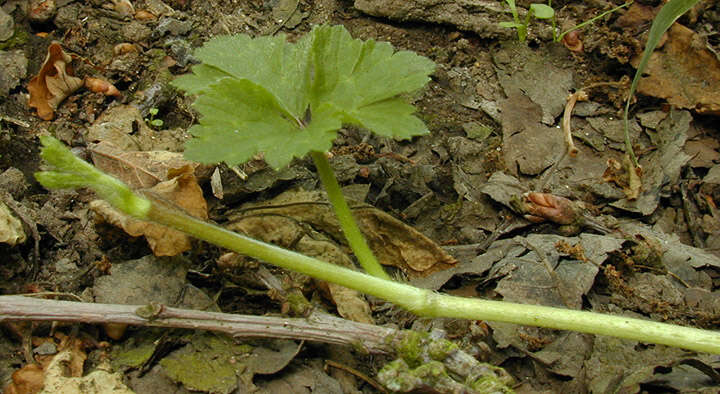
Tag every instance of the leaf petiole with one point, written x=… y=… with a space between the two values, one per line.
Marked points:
x=355 y=239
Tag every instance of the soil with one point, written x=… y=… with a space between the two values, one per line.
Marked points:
x=494 y=107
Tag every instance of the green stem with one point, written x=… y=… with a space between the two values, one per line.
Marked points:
x=355 y=238
x=628 y=144
x=589 y=21
x=427 y=303
x=73 y=172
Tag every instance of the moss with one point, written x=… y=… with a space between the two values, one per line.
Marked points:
x=430 y=371
x=299 y=305
x=19 y=38
x=410 y=347
x=208 y=363
x=440 y=349
x=490 y=384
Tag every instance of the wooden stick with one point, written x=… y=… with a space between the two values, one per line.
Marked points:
x=318 y=326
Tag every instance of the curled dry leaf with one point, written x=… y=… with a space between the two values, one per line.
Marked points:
x=145 y=16
x=572 y=41
x=180 y=190
x=539 y=207
x=54 y=82
x=124 y=47
x=98 y=85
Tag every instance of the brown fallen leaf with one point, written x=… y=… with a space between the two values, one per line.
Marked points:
x=26 y=380
x=139 y=169
x=538 y=207
x=99 y=85
x=54 y=82
x=684 y=72
x=393 y=242
x=181 y=190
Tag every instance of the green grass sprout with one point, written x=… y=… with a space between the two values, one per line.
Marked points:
x=668 y=14
x=539 y=11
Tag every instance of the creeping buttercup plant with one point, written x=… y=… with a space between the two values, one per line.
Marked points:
x=263 y=95
x=285 y=100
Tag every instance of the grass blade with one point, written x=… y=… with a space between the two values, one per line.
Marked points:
x=669 y=13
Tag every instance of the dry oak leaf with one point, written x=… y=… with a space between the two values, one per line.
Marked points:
x=393 y=242
x=54 y=82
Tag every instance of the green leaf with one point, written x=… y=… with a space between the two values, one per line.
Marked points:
x=542 y=11
x=352 y=73
x=389 y=118
x=265 y=95
x=241 y=119
x=668 y=14
x=277 y=65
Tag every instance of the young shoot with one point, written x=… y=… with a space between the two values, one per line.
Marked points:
x=72 y=172
x=539 y=11
x=152 y=120
x=265 y=95
x=285 y=100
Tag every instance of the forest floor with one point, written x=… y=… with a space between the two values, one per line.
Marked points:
x=495 y=110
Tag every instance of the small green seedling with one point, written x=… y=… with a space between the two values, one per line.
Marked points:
x=152 y=121
x=285 y=100
x=539 y=11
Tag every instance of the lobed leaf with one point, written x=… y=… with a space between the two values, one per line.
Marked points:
x=265 y=95
x=242 y=119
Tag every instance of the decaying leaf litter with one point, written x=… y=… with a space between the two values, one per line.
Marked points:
x=494 y=107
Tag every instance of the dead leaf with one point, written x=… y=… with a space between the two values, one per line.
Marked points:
x=26 y=380
x=164 y=175
x=529 y=145
x=684 y=72
x=289 y=233
x=99 y=381
x=625 y=176
x=99 y=85
x=182 y=191
x=11 y=229
x=393 y=242
x=703 y=152
x=138 y=169
x=54 y=82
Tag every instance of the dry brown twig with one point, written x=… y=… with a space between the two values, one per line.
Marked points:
x=318 y=326
x=580 y=95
